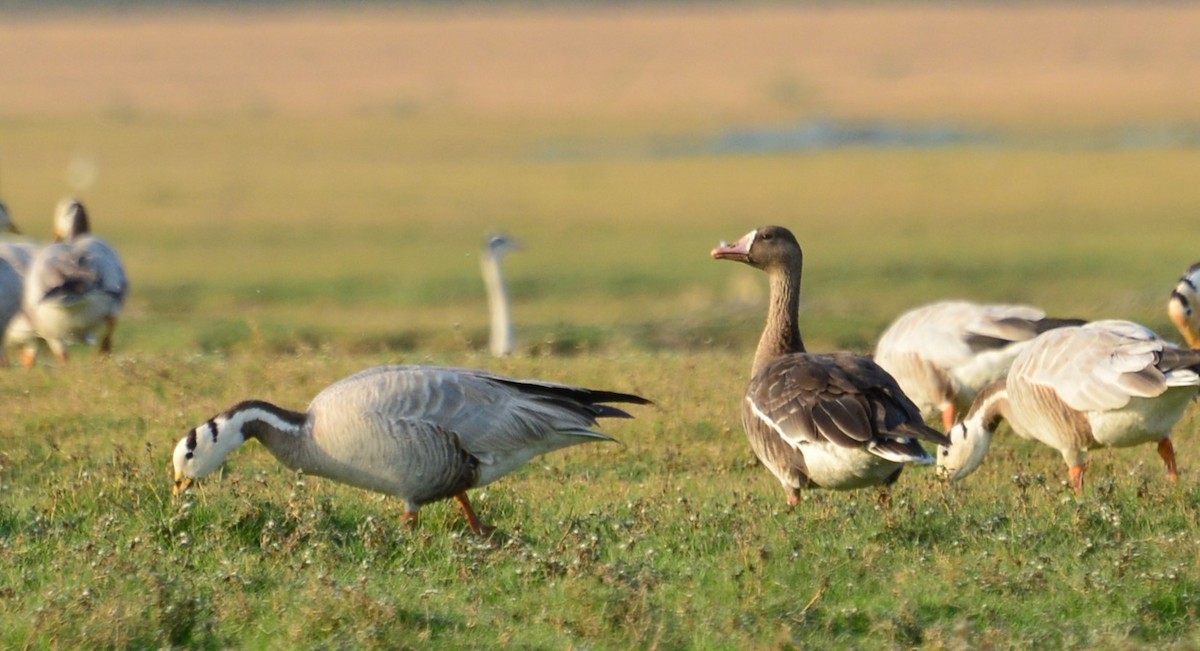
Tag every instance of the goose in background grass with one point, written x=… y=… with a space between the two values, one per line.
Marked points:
x=1184 y=304
x=943 y=353
x=835 y=421
x=11 y=291
x=75 y=288
x=501 y=341
x=420 y=433
x=1103 y=384
x=19 y=251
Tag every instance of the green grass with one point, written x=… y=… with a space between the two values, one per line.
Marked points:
x=272 y=256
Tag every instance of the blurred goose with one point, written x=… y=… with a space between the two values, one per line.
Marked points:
x=74 y=289
x=943 y=353
x=420 y=433
x=502 y=340
x=834 y=421
x=1183 y=304
x=1104 y=384
x=11 y=291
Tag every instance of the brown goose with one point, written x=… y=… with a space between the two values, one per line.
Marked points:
x=943 y=353
x=834 y=421
x=421 y=433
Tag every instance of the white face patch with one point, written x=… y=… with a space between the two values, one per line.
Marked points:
x=205 y=448
x=966 y=452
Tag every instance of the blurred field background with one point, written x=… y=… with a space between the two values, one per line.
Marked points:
x=302 y=192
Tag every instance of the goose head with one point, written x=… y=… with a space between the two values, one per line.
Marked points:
x=70 y=220
x=1182 y=307
x=971 y=438
x=204 y=449
x=499 y=245
x=768 y=248
x=969 y=443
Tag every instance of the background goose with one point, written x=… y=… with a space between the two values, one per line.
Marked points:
x=943 y=353
x=819 y=421
x=502 y=341
x=74 y=288
x=11 y=291
x=1183 y=305
x=1104 y=384
x=420 y=433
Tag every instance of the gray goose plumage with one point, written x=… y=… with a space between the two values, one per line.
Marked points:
x=1105 y=384
x=943 y=353
x=835 y=421
x=420 y=433
x=75 y=287
x=15 y=256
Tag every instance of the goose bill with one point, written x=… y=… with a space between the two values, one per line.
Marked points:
x=181 y=484
x=738 y=251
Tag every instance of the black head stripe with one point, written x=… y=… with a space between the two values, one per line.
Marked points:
x=191 y=440
x=212 y=427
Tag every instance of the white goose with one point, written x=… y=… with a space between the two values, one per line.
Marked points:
x=1184 y=306
x=502 y=341
x=74 y=289
x=420 y=433
x=943 y=353
x=1104 y=384
x=835 y=421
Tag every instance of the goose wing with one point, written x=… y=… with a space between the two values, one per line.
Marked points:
x=56 y=272
x=840 y=399
x=489 y=413
x=107 y=264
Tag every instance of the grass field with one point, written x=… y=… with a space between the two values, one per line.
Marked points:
x=293 y=217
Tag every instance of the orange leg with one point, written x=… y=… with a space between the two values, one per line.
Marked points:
x=480 y=529
x=948 y=415
x=793 y=499
x=1167 y=451
x=29 y=357
x=1076 y=473
x=410 y=519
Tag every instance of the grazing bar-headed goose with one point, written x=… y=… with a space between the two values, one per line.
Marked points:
x=1184 y=306
x=501 y=341
x=819 y=421
x=74 y=289
x=943 y=353
x=1104 y=384
x=420 y=433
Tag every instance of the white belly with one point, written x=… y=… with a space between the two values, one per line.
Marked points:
x=1143 y=420
x=831 y=466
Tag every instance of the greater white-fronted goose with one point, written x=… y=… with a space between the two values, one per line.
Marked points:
x=75 y=287
x=1184 y=306
x=943 y=353
x=501 y=341
x=1105 y=384
x=420 y=433
x=835 y=421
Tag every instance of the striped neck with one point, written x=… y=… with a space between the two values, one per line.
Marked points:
x=990 y=406
x=278 y=429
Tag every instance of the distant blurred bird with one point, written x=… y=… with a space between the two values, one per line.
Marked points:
x=11 y=291
x=75 y=288
x=1104 y=384
x=502 y=341
x=943 y=353
x=1184 y=306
